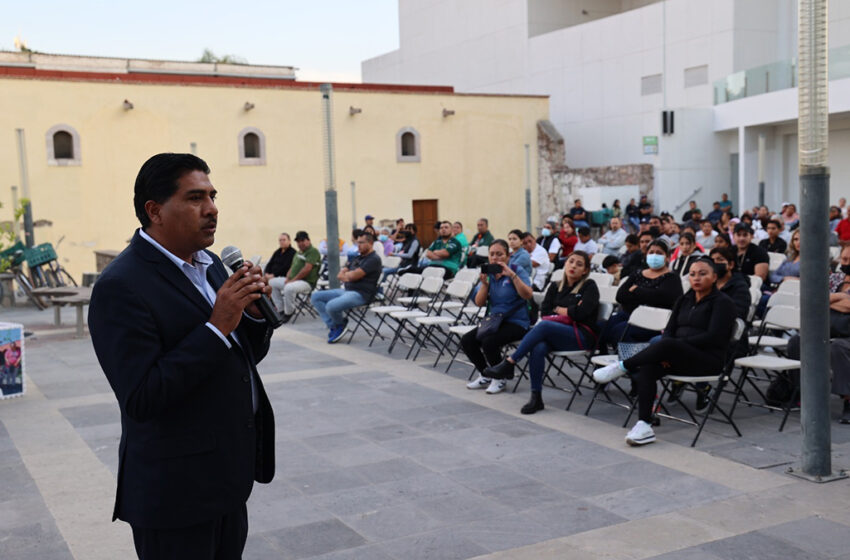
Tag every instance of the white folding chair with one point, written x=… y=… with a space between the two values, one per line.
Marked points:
x=777 y=317
x=775 y=261
x=407 y=282
x=428 y=327
x=602 y=278
x=430 y=289
x=790 y=285
x=756 y=281
x=597 y=259
x=686 y=284
x=483 y=251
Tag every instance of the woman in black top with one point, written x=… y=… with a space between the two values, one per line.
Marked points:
x=731 y=282
x=688 y=253
x=694 y=343
x=568 y=312
x=278 y=266
x=655 y=286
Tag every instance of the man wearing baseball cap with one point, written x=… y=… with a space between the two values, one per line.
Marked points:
x=751 y=259
x=370 y=220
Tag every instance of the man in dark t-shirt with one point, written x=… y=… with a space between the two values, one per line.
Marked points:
x=752 y=260
x=360 y=279
x=774 y=243
x=281 y=259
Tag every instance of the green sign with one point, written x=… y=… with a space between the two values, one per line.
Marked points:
x=650 y=145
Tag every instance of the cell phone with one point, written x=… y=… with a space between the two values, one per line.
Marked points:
x=491 y=268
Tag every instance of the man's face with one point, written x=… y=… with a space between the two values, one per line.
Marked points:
x=186 y=222
x=655 y=222
x=762 y=212
x=742 y=239
x=706 y=228
x=583 y=237
x=364 y=245
x=615 y=224
x=834 y=213
x=696 y=216
x=303 y=244
x=692 y=204
x=482 y=227
x=842 y=202
x=644 y=242
x=370 y=221
x=667 y=227
x=445 y=230
x=528 y=243
x=284 y=241
x=578 y=204
x=772 y=231
x=725 y=197
x=456 y=229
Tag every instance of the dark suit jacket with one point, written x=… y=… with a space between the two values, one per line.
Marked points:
x=191 y=445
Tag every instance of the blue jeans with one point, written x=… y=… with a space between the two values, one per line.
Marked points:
x=545 y=337
x=331 y=305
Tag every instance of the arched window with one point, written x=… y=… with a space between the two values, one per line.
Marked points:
x=63 y=145
x=252 y=147
x=408 y=148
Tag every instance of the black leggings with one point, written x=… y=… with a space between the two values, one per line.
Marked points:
x=683 y=359
x=489 y=350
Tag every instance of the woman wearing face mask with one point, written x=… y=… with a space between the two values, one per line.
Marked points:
x=655 y=286
x=519 y=256
x=694 y=343
x=730 y=281
x=384 y=238
x=549 y=240
x=569 y=312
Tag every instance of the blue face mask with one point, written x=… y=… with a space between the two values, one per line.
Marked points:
x=546 y=232
x=383 y=237
x=655 y=261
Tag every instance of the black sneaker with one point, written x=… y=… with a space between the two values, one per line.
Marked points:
x=703 y=399
x=502 y=370
x=676 y=390
x=284 y=318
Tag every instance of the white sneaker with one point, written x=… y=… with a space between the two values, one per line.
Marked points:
x=608 y=373
x=496 y=386
x=480 y=383
x=640 y=434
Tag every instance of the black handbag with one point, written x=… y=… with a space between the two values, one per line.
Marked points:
x=490 y=324
x=839 y=324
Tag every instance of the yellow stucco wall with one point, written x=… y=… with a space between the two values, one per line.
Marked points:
x=473 y=162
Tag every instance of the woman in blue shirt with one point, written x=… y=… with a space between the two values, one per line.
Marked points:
x=504 y=292
x=519 y=256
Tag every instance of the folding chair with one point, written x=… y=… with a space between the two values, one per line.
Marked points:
x=645 y=317
x=775 y=260
x=430 y=289
x=303 y=306
x=756 y=281
x=457 y=293
x=597 y=259
x=410 y=281
x=602 y=278
x=777 y=317
x=720 y=380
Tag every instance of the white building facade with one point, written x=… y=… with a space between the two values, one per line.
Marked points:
x=611 y=67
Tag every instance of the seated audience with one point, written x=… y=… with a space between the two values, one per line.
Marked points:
x=549 y=240
x=706 y=234
x=539 y=261
x=613 y=239
x=520 y=258
x=482 y=238
x=791 y=266
x=612 y=266
x=731 y=282
x=457 y=231
x=636 y=246
x=568 y=322
x=360 y=279
x=694 y=343
x=722 y=240
x=444 y=252
x=568 y=238
x=407 y=251
x=579 y=215
x=281 y=259
x=774 y=242
x=384 y=239
x=585 y=243
x=506 y=292
x=715 y=214
x=688 y=253
x=752 y=259
x=301 y=278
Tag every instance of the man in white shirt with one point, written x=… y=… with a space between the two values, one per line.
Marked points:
x=613 y=239
x=539 y=261
x=585 y=243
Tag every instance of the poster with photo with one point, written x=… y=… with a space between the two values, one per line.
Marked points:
x=11 y=360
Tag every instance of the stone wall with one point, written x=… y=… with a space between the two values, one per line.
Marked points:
x=557 y=182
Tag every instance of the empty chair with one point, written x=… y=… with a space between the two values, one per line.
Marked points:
x=602 y=278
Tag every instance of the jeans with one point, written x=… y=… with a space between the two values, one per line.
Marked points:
x=332 y=303
x=545 y=337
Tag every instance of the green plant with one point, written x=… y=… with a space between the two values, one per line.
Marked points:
x=7 y=233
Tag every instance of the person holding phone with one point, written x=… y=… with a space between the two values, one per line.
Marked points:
x=504 y=291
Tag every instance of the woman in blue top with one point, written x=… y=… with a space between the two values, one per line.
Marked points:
x=519 y=256
x=505 y=292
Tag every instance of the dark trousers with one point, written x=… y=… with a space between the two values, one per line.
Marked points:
x=666 y=356
x=222 y=538
x=489 y=350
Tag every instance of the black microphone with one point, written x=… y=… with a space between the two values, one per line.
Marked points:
x=232 y=257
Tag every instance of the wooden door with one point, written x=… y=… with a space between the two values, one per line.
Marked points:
x=425 y=216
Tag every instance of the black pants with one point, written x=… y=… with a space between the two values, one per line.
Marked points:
x=218 y=539
x=489 y=350
x=666 y=356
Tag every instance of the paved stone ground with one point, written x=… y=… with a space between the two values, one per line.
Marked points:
x=384 y=458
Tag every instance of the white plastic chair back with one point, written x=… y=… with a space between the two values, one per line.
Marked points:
x=783 y=317
x=602 y=278
x=650 y=318
x=459 y=289
x=756 y=281
x=468 y=274
x=597 y=259
x=686 y=284
x=834 y=252
x=738 y=330
x=483 y=251
x=755 y=296
x=410 y=281
x=776 y=260
x=378 y=247
x=606 y=308
x=789 y=286
x=784 y=299
x=434 y=272
x=343 y=260
x=391 y=261
x=431 y=285
x=557 y=276
x=608 y=294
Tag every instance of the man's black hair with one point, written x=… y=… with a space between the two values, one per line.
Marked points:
x=584 y=230
x=369 y=237
x=632 y=239
x=157 y=180
x=356 y=233
x=526 y=234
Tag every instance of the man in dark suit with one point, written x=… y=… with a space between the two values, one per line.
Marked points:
x=179 y=342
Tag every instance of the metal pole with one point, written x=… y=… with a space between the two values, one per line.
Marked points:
x=813 y=134
x=16 y=227
x=331 y=215
x=527 y=188
x=29 y=237
x=353 y=207
x=761 y=168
